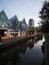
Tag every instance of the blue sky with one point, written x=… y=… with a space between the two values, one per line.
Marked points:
x=22 y=8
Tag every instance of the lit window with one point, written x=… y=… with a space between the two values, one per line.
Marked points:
x=5 y=32
x=2 y=26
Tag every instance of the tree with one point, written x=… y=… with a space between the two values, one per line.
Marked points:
x=44 y=15
x=30 y=30
x=14 y=24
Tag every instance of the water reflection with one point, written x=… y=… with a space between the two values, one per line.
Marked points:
x=43 y=51
x=43 y=47
x=28 y=53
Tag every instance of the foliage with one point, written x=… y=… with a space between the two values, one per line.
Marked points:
x=47 y=38
x=44 y=15
x=47 y=46
x=14 y=24
x=30 y=29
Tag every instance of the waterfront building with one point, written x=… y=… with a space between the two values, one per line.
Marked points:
x=24 y=24
x=31 y=22
x=14 y=22
x=15 y=25
x=4 y=24
x=14 y=18
x=3 y=20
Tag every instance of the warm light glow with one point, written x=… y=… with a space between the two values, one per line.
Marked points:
x=14 y=32
x=5 y=32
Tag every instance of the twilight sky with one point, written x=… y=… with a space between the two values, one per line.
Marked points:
x=22 y=9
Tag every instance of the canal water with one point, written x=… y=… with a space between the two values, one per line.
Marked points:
x=28 y=53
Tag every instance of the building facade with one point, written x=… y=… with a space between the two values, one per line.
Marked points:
x=4 y=24
x=31 y=22
x=3 y=20
x=24 y=25
x=14 y=22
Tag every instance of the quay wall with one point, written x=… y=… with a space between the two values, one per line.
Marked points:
x=8 y=41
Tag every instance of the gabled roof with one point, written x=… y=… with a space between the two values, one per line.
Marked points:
x=3 y=17
x=14 y=18
x=24 y=21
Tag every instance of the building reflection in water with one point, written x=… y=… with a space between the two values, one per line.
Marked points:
x=11 y=56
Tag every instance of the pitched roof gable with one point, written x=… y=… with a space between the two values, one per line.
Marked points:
x=3 y=16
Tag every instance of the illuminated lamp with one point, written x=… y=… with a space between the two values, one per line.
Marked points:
x=14 y=32
x=5 y=32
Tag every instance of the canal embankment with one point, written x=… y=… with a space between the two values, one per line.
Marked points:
x=8 y=41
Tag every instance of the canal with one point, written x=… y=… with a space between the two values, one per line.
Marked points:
x=28 y=53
